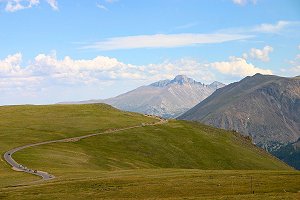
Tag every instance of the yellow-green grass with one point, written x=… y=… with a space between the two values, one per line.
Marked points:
x=174 y=160
x=21 y=125
x=177 y=144
x=165 y=184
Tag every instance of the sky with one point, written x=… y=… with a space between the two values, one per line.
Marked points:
x=62 y=50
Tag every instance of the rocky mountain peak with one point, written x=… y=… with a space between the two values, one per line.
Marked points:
x=182 y=79
x=166 y=98
x=179 y=79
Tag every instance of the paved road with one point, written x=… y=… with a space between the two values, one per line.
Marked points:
x=46 y=176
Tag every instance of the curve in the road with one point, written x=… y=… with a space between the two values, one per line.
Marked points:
x=45 y=175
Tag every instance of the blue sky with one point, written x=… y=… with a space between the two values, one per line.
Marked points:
x=55 y=50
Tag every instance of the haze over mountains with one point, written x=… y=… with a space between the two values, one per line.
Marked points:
x=166 y=98
x=265 y=107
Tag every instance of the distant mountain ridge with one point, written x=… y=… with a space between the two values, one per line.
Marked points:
x=182 y=79
x=166 y=98
x=265 y=107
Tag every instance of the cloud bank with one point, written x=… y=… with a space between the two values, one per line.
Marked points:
x=52 y=79
x=48 y=69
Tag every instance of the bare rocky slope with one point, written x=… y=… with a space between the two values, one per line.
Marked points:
x=166 y=98
x=265 y=107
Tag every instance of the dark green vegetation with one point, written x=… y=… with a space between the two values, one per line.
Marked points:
x=178 y=159
x=289 y=153
x=264 y=107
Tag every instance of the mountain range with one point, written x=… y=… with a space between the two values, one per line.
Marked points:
x=165 y=98
x=265 y=107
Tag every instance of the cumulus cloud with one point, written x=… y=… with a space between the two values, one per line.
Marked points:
x=13 y=75
x=162 y=41
x=46 y=72
x=102 y=68
x=238 y=67
x=69 y=71
x=47 y=68
x=16 y=5
x=84 y=70
x=10 y=66
x=261 y=54
x=244 y=2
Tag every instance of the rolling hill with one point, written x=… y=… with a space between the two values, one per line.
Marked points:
x=264 y=107
x=120 y=164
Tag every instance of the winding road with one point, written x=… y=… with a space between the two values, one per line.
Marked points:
x=45 y=175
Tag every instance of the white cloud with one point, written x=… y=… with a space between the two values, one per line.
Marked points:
x=163 y=41
x=299 y=47
x=105 y=68
x=45 y=72
x=10 y=66
x=261 y=54
x=279 y=27
x=244 y=2
x=13 y=75
x=67 y=71
x=16 y=5
x=47 y=69
x=101 y=7
x=87 y=71
x=275 y=28
x=12 y=82
x=238 y=67
x=53 y=4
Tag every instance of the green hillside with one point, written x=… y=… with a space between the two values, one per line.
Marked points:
x=20 y=125
x=177 y=152
x=177 y=144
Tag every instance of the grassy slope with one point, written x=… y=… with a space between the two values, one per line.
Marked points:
x=166 y=184
x=20 y=125
x=177 y=144
x=94 y=167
